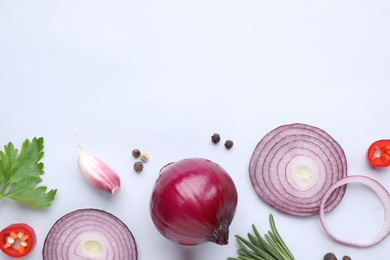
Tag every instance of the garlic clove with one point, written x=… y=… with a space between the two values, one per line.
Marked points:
x=96 y=171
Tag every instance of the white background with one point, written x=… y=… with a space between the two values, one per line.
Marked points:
x=163 y=76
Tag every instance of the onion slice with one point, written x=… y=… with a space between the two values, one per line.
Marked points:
x=294 y=165
x=382 y=193
x=89 y=234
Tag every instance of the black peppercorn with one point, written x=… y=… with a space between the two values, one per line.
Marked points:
x=136 y=153
x=228 y=144
x=215 y=138
x=138 y=166
x=346 y=257
x=330 y=256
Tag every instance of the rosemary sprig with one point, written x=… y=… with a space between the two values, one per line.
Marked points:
x=258 y=248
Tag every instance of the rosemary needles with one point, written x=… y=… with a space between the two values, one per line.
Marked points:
x=271 y=247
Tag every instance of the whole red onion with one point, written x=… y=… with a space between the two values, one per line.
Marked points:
x=193 y=202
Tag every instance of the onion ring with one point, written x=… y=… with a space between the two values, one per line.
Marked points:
x=89 y=234
x=294 y=165
x=382 y=193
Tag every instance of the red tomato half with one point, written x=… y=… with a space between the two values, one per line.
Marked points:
x=17 y=240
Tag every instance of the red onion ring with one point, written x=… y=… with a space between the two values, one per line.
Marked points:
x=382 y=193
x=294 y=165
x=91 y=234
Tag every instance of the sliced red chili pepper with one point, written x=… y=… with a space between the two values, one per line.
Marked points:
x=17 y=240
x=383 y=148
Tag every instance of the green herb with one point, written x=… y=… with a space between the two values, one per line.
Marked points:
x=19 y=174
x=258 y=248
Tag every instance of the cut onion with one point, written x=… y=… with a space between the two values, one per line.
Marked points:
x=294 y=165
x=89 y=234
x=382 y=193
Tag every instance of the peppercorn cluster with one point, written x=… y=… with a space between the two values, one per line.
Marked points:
x=215 y=138
x=331 y=256
x=139 y=165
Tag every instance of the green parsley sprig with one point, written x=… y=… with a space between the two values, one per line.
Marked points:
x=258 y=248
x=19 y=174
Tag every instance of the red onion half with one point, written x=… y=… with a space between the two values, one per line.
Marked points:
x=89 y=234
x=294 y=165
x=193 y=202
x=382 y=193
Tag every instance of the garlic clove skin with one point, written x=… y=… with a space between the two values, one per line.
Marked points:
x=97 y=172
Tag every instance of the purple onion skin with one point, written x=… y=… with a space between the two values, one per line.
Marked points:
x=193 y=202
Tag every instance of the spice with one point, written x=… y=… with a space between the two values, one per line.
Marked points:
x=330 y=256
x=346 y=257
x=228 y=144
x=383 y=148
x=97 y=172
x=136 y=153
x=17 y=240
x=138 y=166
x=144 y=157
x=215 y=138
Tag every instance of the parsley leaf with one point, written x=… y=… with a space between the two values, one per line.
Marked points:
x=19 y=174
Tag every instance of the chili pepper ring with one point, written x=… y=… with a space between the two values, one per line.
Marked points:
x=382 y=146
x=10 y=236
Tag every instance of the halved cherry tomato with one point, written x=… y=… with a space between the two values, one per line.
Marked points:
x=17 y=240
x=383 y=158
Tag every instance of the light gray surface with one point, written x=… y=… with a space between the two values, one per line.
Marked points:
x=163 y=76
